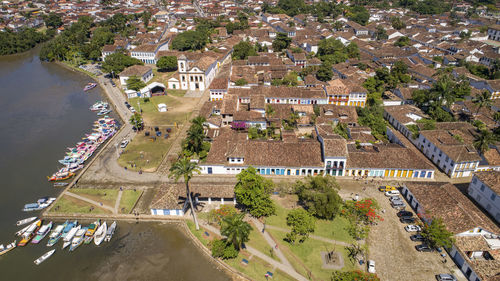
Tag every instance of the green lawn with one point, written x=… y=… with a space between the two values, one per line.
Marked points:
x=257 y=241
x=198 y=233
x=335 y=229
x=105 y=196
x=256 y=268
x=309 y=253
x=177 y=93
x=178 y=110
x=280 y=218
x=329 y=229
x=70 y=205
x=127 y=202
x=145 y=153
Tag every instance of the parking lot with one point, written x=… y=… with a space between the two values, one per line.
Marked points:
x=390 y=246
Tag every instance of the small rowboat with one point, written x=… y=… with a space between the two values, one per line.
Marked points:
x=44 y=257
x=60 y=184
x=100 y=234
x=90 y=86
x=25 y=221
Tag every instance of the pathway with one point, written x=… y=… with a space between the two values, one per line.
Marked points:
x=118 y=200
x=271 y=242
x=288 y=269
x=315 y=237
x=99 y=204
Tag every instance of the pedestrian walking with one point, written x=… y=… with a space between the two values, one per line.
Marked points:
x=276 y=247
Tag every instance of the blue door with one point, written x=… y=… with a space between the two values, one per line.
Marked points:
x=268 y=171
x=288 y=172
x=210 y=170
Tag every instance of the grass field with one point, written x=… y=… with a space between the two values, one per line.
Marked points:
x=70 y=205
x=256 y=268
x=309 y=254
x=257 y=241
x=178 y=109
x=127 y=202
x=105 y=196
x=145 y=153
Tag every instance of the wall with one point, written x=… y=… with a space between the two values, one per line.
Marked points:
x=482 y=195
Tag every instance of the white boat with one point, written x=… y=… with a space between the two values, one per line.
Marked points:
x=25 y=221
x=110 y=232
x=100 y=234
x=67 y=239
x=78 y=239
x=28 y=230
x=56 y=234
x=44 y=257
x=4 y=250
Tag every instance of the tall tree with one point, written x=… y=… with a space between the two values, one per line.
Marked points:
x=185 y=168
x=301 y=222
x=281 y=42
x=235 y=229
x=483 y=141
x=319 y=196
x=135 y=83
x=195 y=135
x=167 y=63
x=483 y=100
x=136 y=120
x=437 y=234
x=242 y=50
x=254 y=193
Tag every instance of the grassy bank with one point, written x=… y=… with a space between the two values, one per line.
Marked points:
x=70 y=205
x=128 y=200
x=105 y=196
x=178 y=109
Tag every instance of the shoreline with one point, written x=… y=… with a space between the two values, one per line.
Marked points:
x=180 y=221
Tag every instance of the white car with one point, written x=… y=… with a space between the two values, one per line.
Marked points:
x=132 y=109
x=371 y=266
x=412 y=228
x=392 y=193
x=124 y=143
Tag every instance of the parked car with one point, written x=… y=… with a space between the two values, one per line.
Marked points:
x=423 y=248
x=112 y=83
x=392 y=193
x=398 y=204
x=446 y=277
x=417 y=237
x=395 y=198
x=412 y=228
x=405 y=214
x=407 y=220
x=371 y=266
x=385 y=188
x=124 y=143
x=132 y=109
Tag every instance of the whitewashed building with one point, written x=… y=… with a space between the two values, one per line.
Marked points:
x=485 y=190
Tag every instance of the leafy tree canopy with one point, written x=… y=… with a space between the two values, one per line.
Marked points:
x=301 y=222
x=242 y=50
x=281 y=42
x=135 y=83
x=117 y=62
x=319 y=196
x=437 y=234
x=167 y=63
x=190 y=40
x=253 y=192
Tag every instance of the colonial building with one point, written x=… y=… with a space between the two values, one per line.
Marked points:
x=147 y=52
x=145 y=73
x=477 y=243
x=485 y=190
x=344 y=93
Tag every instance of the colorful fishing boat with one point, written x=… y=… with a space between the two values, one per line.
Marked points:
x=61 y=176
x=42 y=232
x=30 y=233
x=70 y=235
x=56 y=234
x=89 y=86
x=91 y=230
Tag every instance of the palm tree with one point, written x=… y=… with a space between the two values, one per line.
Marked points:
x=483 y=100
x=195 y=135
x=235 y=229
x=444 y=88
x=483 y=141
x=185 y=168
x=136 y=120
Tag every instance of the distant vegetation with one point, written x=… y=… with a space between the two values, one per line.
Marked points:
x=17 y=42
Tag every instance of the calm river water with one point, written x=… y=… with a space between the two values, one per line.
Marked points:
x=43 y=110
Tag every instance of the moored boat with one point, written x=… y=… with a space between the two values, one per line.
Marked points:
x=25 y=221
x=78 y=239
x=69 y=237
x=60 y=184
x=30 y=227
x=4 y=250
x=91 y=230
x=110 y=232
x=44 y=257
x=89 y=86
x=56 y=234
x=42 y=232
x=30 y=233
x=60 y=176
x=100 y=234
